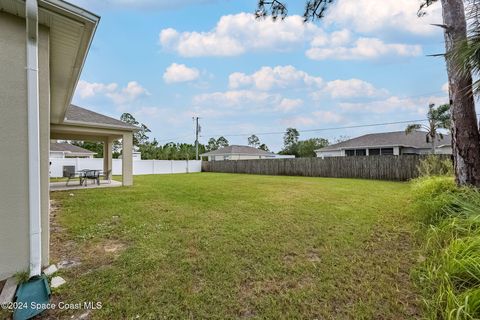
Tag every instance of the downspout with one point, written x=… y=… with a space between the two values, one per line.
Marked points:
x=33 y=105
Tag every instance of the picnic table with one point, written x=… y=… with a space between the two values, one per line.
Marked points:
x=86 y=174
x=89 y=174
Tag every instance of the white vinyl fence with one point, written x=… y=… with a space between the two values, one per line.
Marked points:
x=139 y=166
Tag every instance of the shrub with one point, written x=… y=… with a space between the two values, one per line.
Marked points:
x=450 y=276
x=450 y=281
x=432 y=195
x=434 y=165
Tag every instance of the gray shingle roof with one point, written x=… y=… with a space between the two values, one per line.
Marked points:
x=77 y=114
x=236 y=149
x=415 y=139
x=67 y=147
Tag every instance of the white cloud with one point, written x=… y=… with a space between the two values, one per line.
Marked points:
x=384 y=16
x=127 y=94
x=278 y=77
x=236 y=99
x=235 y=34
x=362 y=48
x=287 y=105
x=87 y=90
x=417 y=106
x=221 y=103
x=180 y=73
x=314 y=119
x=288 y=77
x=352 y=88
x=445 y=88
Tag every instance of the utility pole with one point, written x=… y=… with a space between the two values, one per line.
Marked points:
x=197 y=131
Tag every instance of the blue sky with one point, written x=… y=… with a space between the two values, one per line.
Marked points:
x=166 y=61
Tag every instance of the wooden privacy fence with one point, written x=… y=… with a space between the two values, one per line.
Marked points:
x=397 y=168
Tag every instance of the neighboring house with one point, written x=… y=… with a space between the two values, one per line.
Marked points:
x=43 y=46
x=236 y=152
x=66 y=150
x=387 y=143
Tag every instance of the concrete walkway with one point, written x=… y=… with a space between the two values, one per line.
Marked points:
x=74 y=185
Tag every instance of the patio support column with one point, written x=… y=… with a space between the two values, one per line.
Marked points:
x=127 y=159
x=107 y=154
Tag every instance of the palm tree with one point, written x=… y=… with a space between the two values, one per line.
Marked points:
x=438 y=118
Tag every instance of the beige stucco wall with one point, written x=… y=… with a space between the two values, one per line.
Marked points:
x=14 y=227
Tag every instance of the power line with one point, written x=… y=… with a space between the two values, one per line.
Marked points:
x=323 y=129
x=320 y=129
x=316 y=130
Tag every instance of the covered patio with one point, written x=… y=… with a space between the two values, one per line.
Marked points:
x=62 y=186
x=85 y=125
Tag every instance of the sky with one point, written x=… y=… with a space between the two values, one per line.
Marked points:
x=163 y=61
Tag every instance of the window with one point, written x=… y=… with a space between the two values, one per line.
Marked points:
x=349 y=153
x=361 y=152
x=374 y=152
x=387 y=151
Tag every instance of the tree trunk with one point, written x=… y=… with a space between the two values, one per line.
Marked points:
x=465 y=135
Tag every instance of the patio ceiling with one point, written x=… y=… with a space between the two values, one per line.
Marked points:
x=84 y=124
x=75 y=132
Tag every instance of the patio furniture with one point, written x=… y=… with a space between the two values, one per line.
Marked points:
x=92 y=175
x=107 y=176
x=69 y=173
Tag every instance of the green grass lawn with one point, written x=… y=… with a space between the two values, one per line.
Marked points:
x=228 y=246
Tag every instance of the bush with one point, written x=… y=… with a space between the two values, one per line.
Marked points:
x=434 y=165
x=432 y=195
x=450 y=276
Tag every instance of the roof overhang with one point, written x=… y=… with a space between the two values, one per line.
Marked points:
x=73 y=154
x=71 y=34
x=68 y=131
x=99 y=125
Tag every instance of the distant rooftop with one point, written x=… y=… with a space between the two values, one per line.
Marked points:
x=238 y=150
x=416 y=139
x=78 y=115
x=68 y=148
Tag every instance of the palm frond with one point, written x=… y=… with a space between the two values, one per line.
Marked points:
x=412 y=127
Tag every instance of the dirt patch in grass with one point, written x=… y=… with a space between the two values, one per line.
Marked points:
x=83 y=255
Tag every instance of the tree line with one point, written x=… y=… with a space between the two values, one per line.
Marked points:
x=153 y=150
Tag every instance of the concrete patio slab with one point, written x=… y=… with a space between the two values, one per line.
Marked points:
x=74 y=185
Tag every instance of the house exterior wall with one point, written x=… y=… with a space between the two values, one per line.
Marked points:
x=61 y=155
x=396 y=151
x=444 y=150
x=57 y=155
x=327 y=154
x=14 y=226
